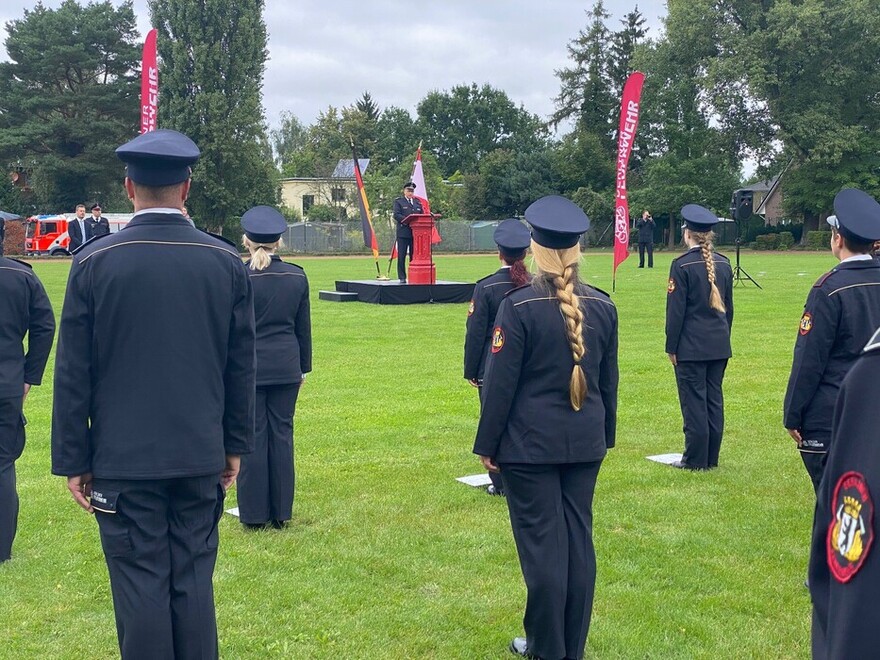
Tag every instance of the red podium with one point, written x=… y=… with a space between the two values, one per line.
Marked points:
x=421 y=268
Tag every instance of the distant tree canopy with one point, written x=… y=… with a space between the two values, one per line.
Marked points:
x=210 y=80
x=67 y=103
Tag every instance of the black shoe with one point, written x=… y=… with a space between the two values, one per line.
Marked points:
x=403 y=281
x=519 y=647
x=279 y=524
x=255 y=526
x=491 y=490
x=681 y=465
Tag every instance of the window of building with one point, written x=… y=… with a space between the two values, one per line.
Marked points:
x=337 y=194
x=308 y=202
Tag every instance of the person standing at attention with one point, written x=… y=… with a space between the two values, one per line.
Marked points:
x=699 y=316
x=512 y=238
x=149 y=430
x=284 y=357
x=549 y=416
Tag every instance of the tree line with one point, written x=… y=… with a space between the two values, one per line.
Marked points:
x=788 y=84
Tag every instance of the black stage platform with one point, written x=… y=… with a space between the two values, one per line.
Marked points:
x=392 y=292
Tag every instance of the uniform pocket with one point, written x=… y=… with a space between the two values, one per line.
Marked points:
x=117 y=544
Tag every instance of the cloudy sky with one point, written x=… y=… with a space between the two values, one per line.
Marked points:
x=329 y=52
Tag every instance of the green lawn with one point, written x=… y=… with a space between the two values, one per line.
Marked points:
x=389 y=557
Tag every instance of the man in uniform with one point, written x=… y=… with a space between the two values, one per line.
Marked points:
x=645 y=227
x=149 y=430
x=100 y=225
x=404 y=207
x=844 y=565
x=24 y=310
x=841 y=313
x=79 y=229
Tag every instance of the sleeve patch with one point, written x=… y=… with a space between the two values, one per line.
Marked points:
x=497 y=339
x=851 y=530
x=806 y=323
x=670 y=288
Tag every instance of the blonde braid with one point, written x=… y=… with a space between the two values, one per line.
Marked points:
x=261 y=253
x=704 y=239
x=560 y=267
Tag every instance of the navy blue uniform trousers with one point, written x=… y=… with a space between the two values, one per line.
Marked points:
x=551 y=513
x=161 y=547
x=11 y=446
x=267 y=479
x=404 y=247
x=702 y=408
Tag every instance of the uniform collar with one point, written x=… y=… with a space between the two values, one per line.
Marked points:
x=171 y=217
x=858 y=257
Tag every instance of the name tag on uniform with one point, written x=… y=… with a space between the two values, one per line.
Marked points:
x=104 y=501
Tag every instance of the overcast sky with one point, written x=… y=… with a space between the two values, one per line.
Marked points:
x=330 y=52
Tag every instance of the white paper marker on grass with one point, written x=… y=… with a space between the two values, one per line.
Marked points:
x=475 y=480
x=233 y=511
x=666 y=459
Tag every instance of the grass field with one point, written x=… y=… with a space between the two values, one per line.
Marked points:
x=389 y=557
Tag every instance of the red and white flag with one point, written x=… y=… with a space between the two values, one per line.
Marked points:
x=149 y=85
x=626 y=135
x=421 y=193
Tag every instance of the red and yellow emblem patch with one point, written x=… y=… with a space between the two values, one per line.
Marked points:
x=851 y=531
x=670 y=288
x=471 y=308
x=806 y=323
x=497 y=339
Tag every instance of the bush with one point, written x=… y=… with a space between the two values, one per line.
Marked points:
x=767 y=241
x=819 y=240
x=786 y=240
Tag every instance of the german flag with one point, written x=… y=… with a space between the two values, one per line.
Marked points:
x=364 y=206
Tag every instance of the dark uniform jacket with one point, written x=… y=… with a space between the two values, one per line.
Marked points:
x=284 y=327
x=526 y=412
x=488 y=294
x=154 y=375
x=24 y=309
x=100 y=227
x=844 y=562
x=694 y=330
x=646 y=230
x=404 y=207
x=841 y=313
x=76 y=236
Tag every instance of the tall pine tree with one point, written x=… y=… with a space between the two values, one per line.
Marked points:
x=213 y=56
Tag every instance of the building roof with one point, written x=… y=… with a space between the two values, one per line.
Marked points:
x=761 y=186
x=345 y=168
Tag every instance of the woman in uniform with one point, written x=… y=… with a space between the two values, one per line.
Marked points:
x=284 y=357
x=512 y=238
x=699 y=314
x=548 y=417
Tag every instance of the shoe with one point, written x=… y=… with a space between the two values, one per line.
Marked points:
x=491 y=490
x=681 y=465
x=403 y=281
x=519 y=647
x=254 y=526
x=279 y=524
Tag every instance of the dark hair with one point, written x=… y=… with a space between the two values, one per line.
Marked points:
x=519 y=275
x=854 y=245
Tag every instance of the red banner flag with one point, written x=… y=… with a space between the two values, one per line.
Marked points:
x=418 y=178
x=629 y=122
x=149 y=85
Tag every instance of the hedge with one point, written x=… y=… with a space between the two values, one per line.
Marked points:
x=819 y=240
x=786 y=240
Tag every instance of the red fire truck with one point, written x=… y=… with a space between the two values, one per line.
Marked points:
x=47 y=234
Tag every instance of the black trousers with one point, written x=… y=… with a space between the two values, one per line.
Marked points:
x=650 y=248
x=495 y=477
x=815 y=464
x=702 y=407
x=551 y=513
x=267 y=479
x=404 y=246
x=11 y=446
x=161 y=547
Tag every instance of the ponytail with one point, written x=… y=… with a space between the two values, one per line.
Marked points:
x=560 y=269
x=519 y=275
x=705 y=239
x=261 y=253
